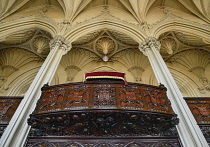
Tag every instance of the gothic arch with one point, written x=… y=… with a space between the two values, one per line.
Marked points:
x=92 y=26
x=197 y=29
x=21 y=81
x=13 y=26
x=185 y=83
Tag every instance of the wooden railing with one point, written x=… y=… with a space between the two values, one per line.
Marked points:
x=103 y=96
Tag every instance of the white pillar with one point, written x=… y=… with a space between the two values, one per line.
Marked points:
x=189 y=132
x=16 y=132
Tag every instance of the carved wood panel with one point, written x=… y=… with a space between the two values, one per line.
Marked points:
x=8 y=107
x=104 y=96
x=51 y=100
x=77 y=97
x=101 y=96
x=97 y=142
x=200 y=108
x=156 y=100
x=130 y=97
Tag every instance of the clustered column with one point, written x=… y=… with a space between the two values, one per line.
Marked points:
x=189 y=132
x=17 y=130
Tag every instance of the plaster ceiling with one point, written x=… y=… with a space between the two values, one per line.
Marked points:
x=107 y=45
x=33 y=40
x=139 y=9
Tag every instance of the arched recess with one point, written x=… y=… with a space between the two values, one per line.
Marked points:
x=21 y=81
x=74 y=33
x=7 y=28
x=199 y=30
x=185 y=83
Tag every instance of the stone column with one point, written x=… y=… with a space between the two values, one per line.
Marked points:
x=17 y=130
x=189 y=132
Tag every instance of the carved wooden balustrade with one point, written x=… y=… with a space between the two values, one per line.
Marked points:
x=93 y=113
x=8 y=106
x=200 y=108
x=80 y=96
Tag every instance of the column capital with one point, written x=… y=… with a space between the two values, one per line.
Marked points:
x=61 y=42
x=149 y=43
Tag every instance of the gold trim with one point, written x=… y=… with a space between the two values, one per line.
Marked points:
x=93 y=77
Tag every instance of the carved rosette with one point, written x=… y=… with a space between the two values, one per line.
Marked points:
x=149 y=43
x=60 y=42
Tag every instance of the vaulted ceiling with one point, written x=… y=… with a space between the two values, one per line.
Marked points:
x=139 y=9
x=107 y=48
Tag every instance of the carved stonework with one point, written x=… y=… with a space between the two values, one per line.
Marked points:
x=71 y=71
x=13 y=59
x=41 y=45
x=75 y=60
x=105 y=46
x=61 y=43
x=196 y=62
x=148 y=44
x=106 y=43
x=168 y=46
x=18 y=37
x=134 y=61
x=190 y=39
x=87 y=38
x=123 y=38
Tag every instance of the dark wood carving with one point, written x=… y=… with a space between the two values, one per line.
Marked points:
x=77 y=97
x=109 y=112
x=97 y=96
x=116 y=142
x=103 y=123
x=130 y=97
x=200 y=108
x=104 y=97
x=52 y=100
x=8 y=106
